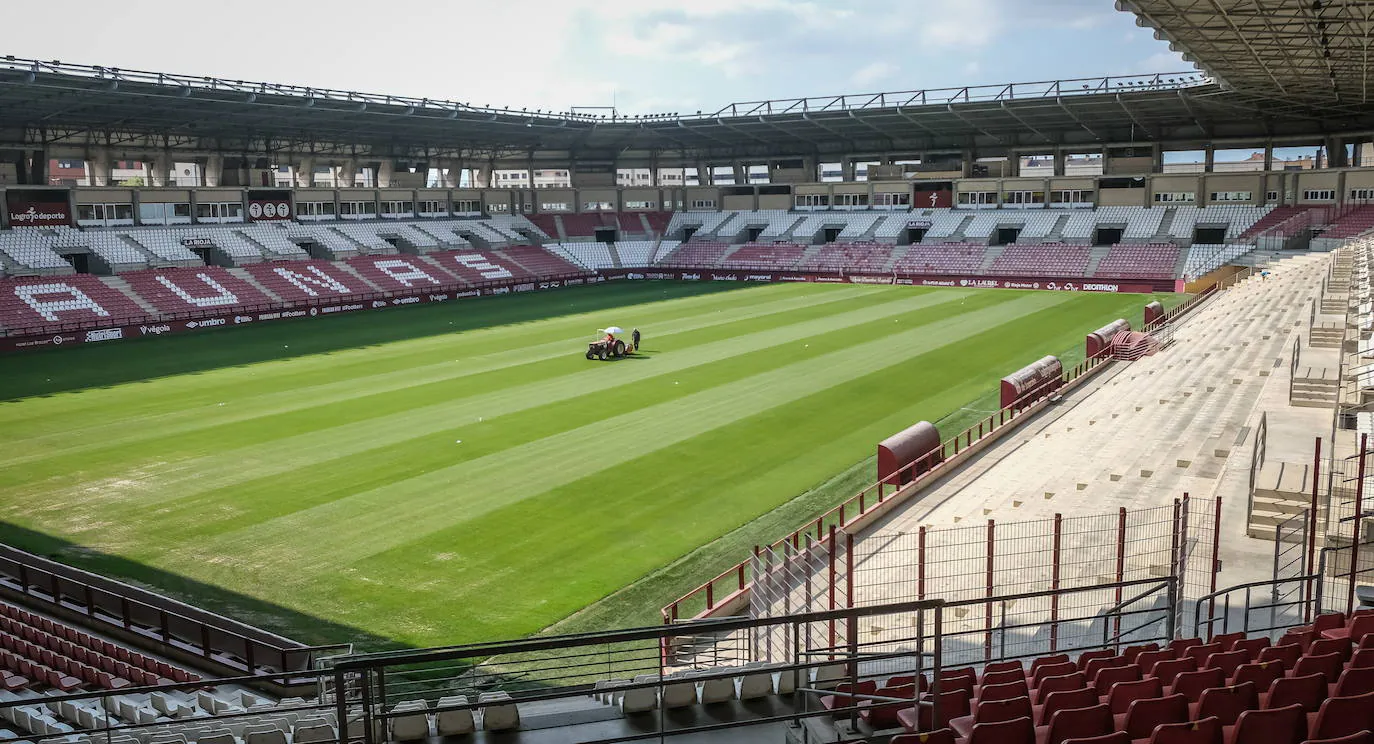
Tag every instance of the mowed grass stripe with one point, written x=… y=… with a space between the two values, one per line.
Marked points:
x=144 y=478
x=597 y=534
x=488 y=557
x=258 y=500
x=377 y=520
x=192 y=402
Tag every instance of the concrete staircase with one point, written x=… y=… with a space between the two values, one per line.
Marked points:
x=1056 y=233
x=991 y=255
x=116 y=283
x=1283 y=490
x=1162 y=234
x=1095 y=257
x=1314 y=388
x=615 y=255
x=247 y=277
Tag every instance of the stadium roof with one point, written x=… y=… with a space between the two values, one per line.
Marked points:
x=1295 y=53
x=69 y=108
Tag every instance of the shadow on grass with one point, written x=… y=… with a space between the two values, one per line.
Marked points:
x=307 y=629
x=58 y=370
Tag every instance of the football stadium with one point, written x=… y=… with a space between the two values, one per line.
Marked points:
x=1026 y=413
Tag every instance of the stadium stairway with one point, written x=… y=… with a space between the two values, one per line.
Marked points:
x=1160 y=427
x=120 y=285
x=1095 y=257
x=993 y=253
x=243 y=274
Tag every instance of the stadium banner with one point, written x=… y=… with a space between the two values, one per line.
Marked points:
x=967 y=282
x=399 y=299
x=269 y=205
x=38 y=207
x=926 y=198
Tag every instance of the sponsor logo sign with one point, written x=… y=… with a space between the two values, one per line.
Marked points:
x=724 y=277
x=438 y=298
x=154 y=330
x=526 y=287
x=936 y=282
x=691 y=277
x=575 y=282
x=106 y=334
x=378 y=303
x=1101 y=288
x=469 y=293
x=268 y=211
x=240 y=319
x=870 y=280
x=338 y=309
x=793 y=278
x=758 y=278
x=24 y=213
x=404 y=301
x=197 y=243
x=830 y=280
x=500 y=290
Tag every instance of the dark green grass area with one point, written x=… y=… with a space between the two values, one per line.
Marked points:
x=458 y=472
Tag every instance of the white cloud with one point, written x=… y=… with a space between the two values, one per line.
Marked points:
x=873 y=73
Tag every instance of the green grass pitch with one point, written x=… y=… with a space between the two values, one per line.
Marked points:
x=458 y=472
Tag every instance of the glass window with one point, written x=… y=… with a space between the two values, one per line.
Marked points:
x=85 y=212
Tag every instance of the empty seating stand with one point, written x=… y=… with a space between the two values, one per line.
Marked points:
x=855 y=258
x=696 y=254
x=400 y=273
x=1145 y=261
x=43 y=304
x=765 y=256
x=949 y=258
x=190 y=290
x=307 y=281
x=47 y=653
x=1044 y=259
x=539 y=262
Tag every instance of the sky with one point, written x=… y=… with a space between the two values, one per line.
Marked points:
x=642 y=56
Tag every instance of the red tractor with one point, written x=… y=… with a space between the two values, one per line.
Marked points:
x=608 y=346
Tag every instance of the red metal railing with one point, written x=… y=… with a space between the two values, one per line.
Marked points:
x=730 y=583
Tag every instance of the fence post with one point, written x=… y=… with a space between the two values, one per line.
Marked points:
x=1355 y=528
x=1175 y=568
x=831 y=548
x=1054 y=582
x=921 y=562
x=1312 y=531
x=1120 y=569
x=1216 y=556
x=849 y=570
x=987 y=608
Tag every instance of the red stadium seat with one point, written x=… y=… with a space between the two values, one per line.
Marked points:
x=1275 y=726
x=1051 y=685
x=1261 y=675
x=1015 y=731
x=1287 y=655
x=1356 y=681
x=993 y=712
x=1167 y=670
x=1204 y=731
x=1122 y=694
x=1227 y=703
x=1108 y=678
x=1078 y=723
x=1064 y=700
x=1143 y=716
x=1342 y=716
x=1329 y=665
x=940 y=736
